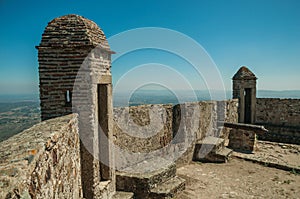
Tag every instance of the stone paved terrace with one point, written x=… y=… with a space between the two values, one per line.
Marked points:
x=237 y=179
x=279 y=155
x=247 y=179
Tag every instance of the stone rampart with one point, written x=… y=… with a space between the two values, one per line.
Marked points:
x=281 y=117
x=167 y=130
x=281 y=112
x=42 y=161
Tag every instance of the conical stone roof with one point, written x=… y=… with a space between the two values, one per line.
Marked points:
x=73 y=31
x=244 y=73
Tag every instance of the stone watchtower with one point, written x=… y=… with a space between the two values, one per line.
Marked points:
x=244 y=89
x=74 y=72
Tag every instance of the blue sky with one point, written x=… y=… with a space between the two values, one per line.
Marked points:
x=261 y=34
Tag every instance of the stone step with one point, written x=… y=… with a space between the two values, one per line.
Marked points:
x=221 y=156
x=224 y=154
x=214 y=143
x=123 y=195
x=187 y=194
x=144 y=176
x=168 y=189
x=207 y=145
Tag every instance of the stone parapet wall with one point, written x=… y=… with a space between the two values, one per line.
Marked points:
x=230 y=110
x=43 y=161
x=143 y=128
x=283 y=134
x=167 y=130
x=281 y=117
x=280 y=112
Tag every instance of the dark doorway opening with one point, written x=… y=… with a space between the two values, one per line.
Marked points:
x=247 y=97
x=103 y=132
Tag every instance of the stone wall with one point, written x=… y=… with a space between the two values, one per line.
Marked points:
x=147 y=131
x=186 y=130
x=139 y=131
x=281 y=112
x=231 y=110
x=281 y=117
x=57 y=75
x=231 y=115
x=43 y=161
x=149 y=127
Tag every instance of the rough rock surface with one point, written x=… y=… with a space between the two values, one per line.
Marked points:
x=42 y=162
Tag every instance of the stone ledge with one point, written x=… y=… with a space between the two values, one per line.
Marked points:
x=251 y=127
x=269 y=164
x=168 y=189
x=42 y=161
x=123 y=195
x=278 y=155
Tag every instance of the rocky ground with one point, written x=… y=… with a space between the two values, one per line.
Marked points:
x=244 y=179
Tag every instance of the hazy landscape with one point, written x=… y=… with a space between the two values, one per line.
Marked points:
x=167 y=97
x=19 y=112
x=17 y=116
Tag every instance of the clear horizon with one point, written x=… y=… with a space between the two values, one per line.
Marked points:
x=262 y=35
